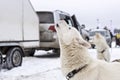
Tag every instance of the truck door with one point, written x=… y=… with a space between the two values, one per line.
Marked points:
x=47 y=24
x=67 y=18
x=75 y=22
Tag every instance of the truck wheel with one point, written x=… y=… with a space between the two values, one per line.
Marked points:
x=110 y=45
x=32 y=52
x=56 y=51
x=1 y=60
x=14 y=57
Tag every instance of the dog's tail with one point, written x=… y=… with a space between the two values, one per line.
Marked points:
x=116 y=60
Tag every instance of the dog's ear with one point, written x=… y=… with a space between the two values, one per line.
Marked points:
x=83 y=42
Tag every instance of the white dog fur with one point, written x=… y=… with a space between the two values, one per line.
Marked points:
x=102 y=47
x=74 y=54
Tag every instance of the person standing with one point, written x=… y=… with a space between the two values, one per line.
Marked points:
x=111 y=35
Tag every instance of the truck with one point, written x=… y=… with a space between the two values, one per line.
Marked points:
x=19 y=31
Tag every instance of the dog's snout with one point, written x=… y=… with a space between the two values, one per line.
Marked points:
x=57 y=25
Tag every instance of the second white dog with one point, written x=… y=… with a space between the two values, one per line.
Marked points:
x=102 y=47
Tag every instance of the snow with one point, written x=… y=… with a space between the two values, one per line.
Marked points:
x=46 y=68
x=35 y=68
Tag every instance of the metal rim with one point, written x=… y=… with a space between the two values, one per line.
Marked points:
x=16 y=58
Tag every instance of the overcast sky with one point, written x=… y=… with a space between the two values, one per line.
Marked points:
x=86 y=11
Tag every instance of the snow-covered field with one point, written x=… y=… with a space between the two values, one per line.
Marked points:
x=47 y=68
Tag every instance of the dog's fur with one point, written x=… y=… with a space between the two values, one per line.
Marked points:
x=74 y=55
x=102 y=47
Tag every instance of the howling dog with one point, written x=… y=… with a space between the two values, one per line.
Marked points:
x=76 y=63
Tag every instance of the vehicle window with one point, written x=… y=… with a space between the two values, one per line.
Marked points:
x=107 y=34
x=66 y=18
x=46 y=17
x=62 y=17
x=92 y=33
x=101 y=32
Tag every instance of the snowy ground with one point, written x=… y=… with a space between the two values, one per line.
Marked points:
x=44 y=68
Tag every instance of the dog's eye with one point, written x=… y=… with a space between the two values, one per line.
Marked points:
x=57 y=25
x=69 y=27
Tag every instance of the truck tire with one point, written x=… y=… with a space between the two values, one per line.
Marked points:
x=56 y=51
x=1 y=60
x=14 y=57
x=32 y=51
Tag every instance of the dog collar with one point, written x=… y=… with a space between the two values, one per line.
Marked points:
x=102 y=51
x=73 y=72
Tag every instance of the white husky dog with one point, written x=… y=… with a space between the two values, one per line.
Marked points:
x=102 y=47
x=76 y=63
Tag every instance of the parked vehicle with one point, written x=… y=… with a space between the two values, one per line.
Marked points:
x=19 y=30
x=47 y=23
x=80 y=28
x=103 y=32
